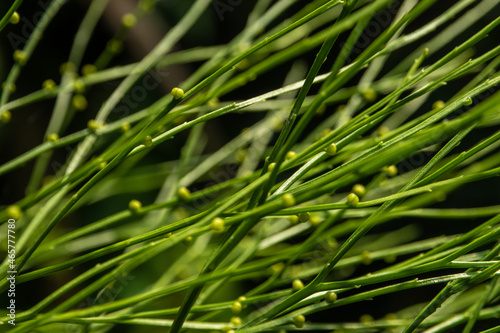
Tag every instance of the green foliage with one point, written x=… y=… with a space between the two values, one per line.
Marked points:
x=369 y=173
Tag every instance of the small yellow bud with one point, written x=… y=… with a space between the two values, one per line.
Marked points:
x=324 y=133
x=14 y=212
x=79 y=86
x=134 y=205
x=67 y=67
x=177 y=93
x=366 y=318
x=366 y=258
x=52 y=137
x=290 y=155
x=5 y=117
x=332 y=242
x=352 y=200
x=297 y=285
x=330 y=297
x=183 y=193
x=148 y=141
x=213 y=102
x=271 y=166
x=246 y=174
x=217 y=225
x=277 y=267
x=277 y=124
x=369 y=95
x=146 y=5
x=243 y=64
x=240 y=155
x=243 y=46
x=331 y=149
x=294 y=219
x=129 y=20
x=20 y=57
x=315 y=221
x=288 y=200
x=88 y=69
x=391 y=316
x=438 y=105
x=236 y=307
x=114 y=45
x=236 y=321
x=15 y=18
x=391 y=170
x=299 y=321
x=304 y=217
x=94 y=125
x=11 y=87
x=383 y=131
x=161 y=129
x=242 y=299
x=49 y=84
x=391 y=258
x=359 y=190
x=125 y=127
x=79 y=102
x=321 y=110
